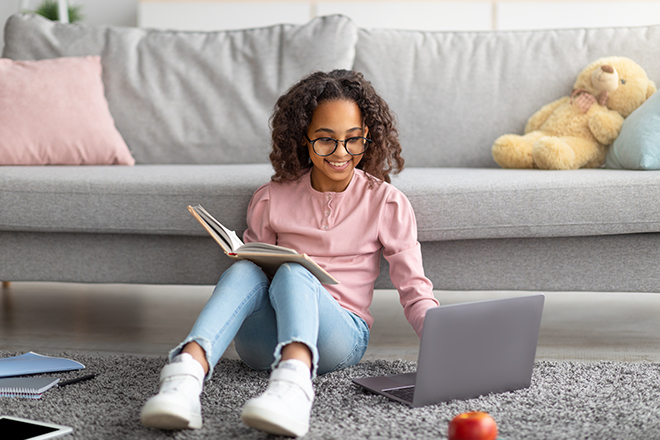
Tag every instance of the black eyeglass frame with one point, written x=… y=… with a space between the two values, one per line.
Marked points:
x=367 y=141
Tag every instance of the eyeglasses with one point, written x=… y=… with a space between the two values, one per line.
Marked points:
x=325 y=146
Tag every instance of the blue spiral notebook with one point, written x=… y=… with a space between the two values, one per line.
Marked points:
x=33 y=363
x=26 y=387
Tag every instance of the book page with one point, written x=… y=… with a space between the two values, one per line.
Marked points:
x=264 y=248
x=229 y=237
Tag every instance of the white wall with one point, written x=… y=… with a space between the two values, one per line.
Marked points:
x=576 y=14
x=228 y=14
x=402 y=14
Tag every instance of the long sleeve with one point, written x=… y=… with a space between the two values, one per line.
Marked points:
x=258 y=218
x=398 y=235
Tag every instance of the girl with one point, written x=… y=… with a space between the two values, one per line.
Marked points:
x=334 y=145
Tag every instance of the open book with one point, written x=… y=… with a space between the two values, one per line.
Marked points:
x=268 y=256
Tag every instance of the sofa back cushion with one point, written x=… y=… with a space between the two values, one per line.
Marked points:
x=192 y=97
x=455 y=92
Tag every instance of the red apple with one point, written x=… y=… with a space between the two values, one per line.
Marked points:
x=475 y=425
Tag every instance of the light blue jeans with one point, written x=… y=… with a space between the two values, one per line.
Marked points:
x=262 y=316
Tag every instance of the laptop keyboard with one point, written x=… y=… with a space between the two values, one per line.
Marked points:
x=405 y=393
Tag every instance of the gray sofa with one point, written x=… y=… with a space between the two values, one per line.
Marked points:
x=193 y=108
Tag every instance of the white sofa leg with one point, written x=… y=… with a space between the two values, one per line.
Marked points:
x=6 y=284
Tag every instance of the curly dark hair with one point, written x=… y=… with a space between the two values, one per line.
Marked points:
x=293 y=114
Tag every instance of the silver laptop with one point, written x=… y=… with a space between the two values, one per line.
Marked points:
x=468 y=350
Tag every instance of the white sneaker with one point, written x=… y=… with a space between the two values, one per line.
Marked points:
x=285 y=406
x=177 y=405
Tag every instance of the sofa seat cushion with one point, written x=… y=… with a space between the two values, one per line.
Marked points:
x=455 y=203
x=144 y=199
x=450 y=203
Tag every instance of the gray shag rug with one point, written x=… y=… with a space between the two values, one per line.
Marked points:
x=567 y=400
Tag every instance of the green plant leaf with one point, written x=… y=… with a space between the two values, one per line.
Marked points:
x=50 y=10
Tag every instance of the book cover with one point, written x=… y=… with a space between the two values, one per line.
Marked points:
x=33 y=363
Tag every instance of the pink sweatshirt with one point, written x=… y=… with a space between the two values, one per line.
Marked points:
x=344 y=233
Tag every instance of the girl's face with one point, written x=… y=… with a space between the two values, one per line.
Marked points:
x=337 y=119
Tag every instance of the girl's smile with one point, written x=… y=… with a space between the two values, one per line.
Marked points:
x=339 y=165
x=337 y=119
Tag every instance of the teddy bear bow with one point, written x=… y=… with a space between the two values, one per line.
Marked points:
x=584 y=100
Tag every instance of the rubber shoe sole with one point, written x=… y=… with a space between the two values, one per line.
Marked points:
x=168 y=416
x=272 y=423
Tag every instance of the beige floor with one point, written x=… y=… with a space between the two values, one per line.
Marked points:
x=149 y=320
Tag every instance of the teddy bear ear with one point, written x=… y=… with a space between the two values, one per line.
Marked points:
x=651 y=89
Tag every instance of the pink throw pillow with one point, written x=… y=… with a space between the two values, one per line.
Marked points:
x=54 y=112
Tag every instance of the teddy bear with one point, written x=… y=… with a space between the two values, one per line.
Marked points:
x=574 y=131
